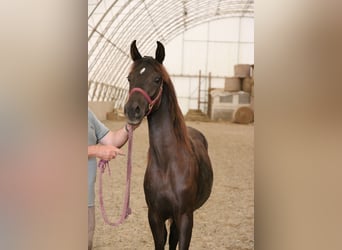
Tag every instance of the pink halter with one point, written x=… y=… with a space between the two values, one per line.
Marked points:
x=151 y=102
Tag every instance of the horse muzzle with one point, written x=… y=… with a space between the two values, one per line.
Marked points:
x=135 y=112
x=136 y=109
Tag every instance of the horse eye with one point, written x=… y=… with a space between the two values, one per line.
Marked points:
x=129 y=79
x=157 y=79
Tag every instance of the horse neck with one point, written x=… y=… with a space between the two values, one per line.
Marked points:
x=163 y=124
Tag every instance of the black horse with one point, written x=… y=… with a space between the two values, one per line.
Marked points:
x=179 y=176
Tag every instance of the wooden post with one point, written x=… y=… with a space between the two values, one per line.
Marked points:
x=209 y=96
x=199 y=91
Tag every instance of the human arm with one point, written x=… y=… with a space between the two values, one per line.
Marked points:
x=104 y=152
x=117 y=138
x=103 y=143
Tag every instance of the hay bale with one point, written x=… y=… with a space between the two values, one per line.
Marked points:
x=232 y=84
x=247 y=84
x=242 y=70
x=243 y=115
x=116 y=115
x=196 y=115
x=110 y=116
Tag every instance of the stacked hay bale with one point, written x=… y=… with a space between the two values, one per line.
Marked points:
x=244 y=114
x=232 y=84
x=196 y=115
x=115 y=115
x=235 y=102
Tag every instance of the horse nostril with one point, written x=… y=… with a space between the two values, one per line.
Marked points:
x=137 y=111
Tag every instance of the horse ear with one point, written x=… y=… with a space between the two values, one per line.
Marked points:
x=160 y=52
x=135 y=55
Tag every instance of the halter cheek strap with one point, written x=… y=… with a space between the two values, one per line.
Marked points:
x=151 y=102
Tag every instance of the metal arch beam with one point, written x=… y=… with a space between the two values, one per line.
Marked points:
x=156 y=12
x=121 y=39
x=168 y=19
x=176 y=30
x=103 y=33
x=101 y=19
x=122 y=22
x=126 y=67
x=95 y=8
x=180 y=26
x=191 y=18
x=166 y=7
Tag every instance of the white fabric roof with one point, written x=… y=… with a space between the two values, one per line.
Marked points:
x=114 y=24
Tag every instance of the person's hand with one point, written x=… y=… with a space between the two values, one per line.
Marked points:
x=108 y=152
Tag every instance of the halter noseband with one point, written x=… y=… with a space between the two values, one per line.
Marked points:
x=151 y=102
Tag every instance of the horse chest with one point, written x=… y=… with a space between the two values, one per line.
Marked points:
x=168 y=176
x=166 y=188
x=158 y=181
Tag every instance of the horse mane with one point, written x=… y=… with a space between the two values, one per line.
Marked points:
x=175 y=112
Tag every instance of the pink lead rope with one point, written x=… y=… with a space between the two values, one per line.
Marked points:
x=126 y=210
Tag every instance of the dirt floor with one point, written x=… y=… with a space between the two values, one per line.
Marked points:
x=226 y=221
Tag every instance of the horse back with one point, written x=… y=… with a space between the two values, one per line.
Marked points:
x=205 y=177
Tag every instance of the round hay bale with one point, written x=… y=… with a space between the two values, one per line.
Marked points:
x=243 y=115
x=247 y=84
x=242 y=70
x=232 y=84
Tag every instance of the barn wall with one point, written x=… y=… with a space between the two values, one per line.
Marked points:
x=213 y=47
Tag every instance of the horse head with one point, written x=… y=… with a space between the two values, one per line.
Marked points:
x=145 y=84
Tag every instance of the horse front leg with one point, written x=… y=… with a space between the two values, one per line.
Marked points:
x=158 y=229
x=173 y=239
x=185 y=223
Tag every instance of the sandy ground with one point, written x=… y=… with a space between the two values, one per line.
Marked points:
x=226 y=221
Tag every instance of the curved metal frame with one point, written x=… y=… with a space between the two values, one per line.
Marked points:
x=118 y=22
